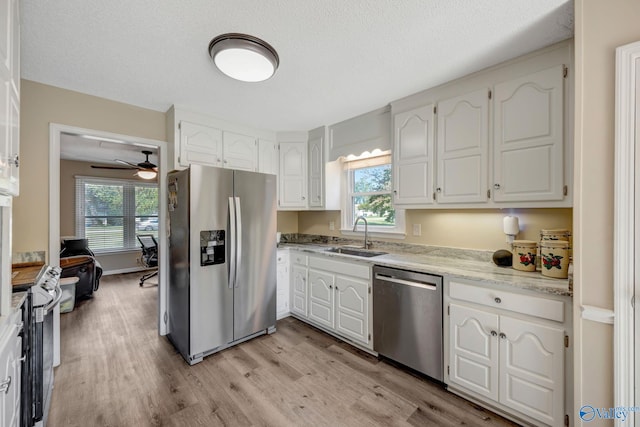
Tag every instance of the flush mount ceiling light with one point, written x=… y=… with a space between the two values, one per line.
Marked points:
x=244 y=57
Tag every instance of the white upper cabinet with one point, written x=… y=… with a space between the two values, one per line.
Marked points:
x=9 y=97
x=528 y=138
x=463 y=148
x=413 y=156
x=498 y=138
x=316 y=168
x=293 y=175
x=239 y=151
x=267 y=156
x=197 y=138
x=200 y=144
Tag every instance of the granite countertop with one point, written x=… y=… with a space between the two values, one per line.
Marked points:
x=451 y=262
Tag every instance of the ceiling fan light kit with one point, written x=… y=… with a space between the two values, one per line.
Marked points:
x=244 y=57
x=146 y=174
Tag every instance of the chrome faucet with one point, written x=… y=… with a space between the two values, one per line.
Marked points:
x=366 y=230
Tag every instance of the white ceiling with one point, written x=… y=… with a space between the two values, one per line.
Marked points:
x=338 y=58
x=76 y=147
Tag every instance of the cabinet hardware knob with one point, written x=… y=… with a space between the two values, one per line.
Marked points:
x=494 y=333
x=16 y=161
x=497 y=300
x=303 y=198
x=395 y=191
x=330 y=287
x=496 y=186
x=218 y=160
x=502 y=335
x=5 y=386
x=439 y=190
x=226 y=161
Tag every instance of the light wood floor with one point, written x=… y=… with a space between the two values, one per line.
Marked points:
x=117 y=371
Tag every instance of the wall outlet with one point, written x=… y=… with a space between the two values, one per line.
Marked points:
x=332 y=225
x=417 y=229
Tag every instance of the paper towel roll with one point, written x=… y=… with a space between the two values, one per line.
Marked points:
x=511 y=226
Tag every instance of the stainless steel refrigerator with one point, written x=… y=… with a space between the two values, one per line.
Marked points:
x=222 y=258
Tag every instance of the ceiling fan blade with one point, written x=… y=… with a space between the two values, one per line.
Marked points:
x=127 y=163
x=113 y=167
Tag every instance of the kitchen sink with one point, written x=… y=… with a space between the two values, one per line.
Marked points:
x=356 y=252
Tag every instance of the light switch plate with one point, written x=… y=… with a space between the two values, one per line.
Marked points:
x=332 y=225
x=417 y=229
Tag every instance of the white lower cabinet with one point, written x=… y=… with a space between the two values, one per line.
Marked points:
x=10 y=370
x=282 y=293
x=514 y=362
x=299 y=272
x=338 y=296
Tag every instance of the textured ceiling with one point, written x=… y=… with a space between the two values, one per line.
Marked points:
x=338 y=58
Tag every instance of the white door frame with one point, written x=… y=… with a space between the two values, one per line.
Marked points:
x=626 y=237
x=54 y=202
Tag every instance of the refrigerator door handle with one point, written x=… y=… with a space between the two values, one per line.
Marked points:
x=238 y=237
x=232 y=239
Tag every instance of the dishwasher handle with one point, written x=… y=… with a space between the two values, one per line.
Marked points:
x=417 y=284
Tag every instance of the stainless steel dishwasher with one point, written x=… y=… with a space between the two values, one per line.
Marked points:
x=407 y=319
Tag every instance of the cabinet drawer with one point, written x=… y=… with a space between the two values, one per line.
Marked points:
x=350 y=268
x=524 y=304
x=298 y=258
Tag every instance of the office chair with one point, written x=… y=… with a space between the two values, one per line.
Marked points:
x=149 y=256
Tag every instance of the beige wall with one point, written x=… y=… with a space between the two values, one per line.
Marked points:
x=69 y=169
x=41 y=105
x=462 y=228
x=601 y=26
x=287 y=221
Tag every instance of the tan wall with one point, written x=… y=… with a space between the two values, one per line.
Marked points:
x=462 y=228
x=287 y=221
x=41 y=105
x=69 y=169
x=601 y=26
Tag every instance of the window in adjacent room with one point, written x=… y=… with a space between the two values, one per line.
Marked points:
x=110 y=212
x=369 y=193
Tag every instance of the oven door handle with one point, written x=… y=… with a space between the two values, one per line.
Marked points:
x=55 y=301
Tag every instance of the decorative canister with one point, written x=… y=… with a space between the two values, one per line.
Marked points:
x=524 y=255
x=555 y=258
x=555 y=234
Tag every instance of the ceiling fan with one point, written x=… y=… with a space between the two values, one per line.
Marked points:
x=146 y=169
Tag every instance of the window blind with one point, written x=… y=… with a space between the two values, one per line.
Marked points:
x=110 y=212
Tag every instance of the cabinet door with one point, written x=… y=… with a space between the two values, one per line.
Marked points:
x=528 y=138
x=267 y=156
x=239 y=151
x=473 y=350
x=299 y=290
x=200 y=144
x=321 y=297
x=413 y=156
x=15 y=47
x=293 y=174
x=316 y=172
x=10 y=369
x=532 y=369
x=462 y=147
x=352 y=308
x=282 y=294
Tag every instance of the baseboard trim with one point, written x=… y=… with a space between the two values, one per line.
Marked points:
x=124 y=270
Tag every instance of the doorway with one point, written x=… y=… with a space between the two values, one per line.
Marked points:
x=123 y=144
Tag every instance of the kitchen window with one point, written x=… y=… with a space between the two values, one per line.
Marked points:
x=110 y=212
x=369 y=194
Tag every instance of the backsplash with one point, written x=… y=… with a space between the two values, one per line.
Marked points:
x=440 y=251
x=29 y=257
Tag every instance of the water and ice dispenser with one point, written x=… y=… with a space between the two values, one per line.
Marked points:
x=212 y=249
